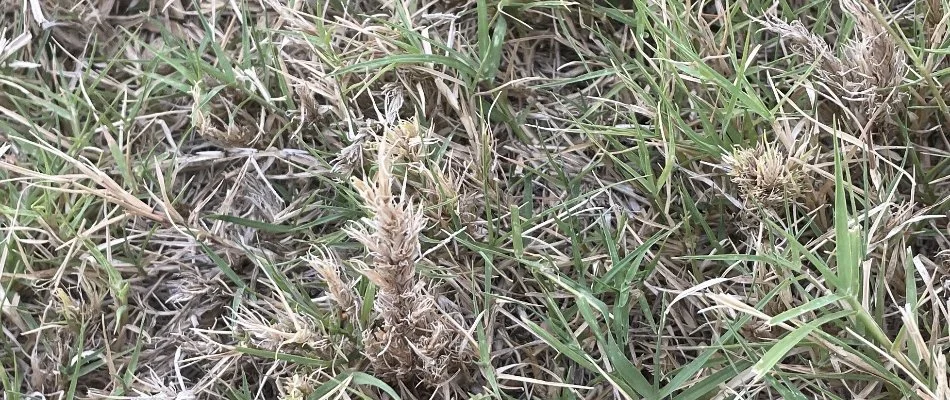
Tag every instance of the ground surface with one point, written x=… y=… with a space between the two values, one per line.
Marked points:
x=259 y=199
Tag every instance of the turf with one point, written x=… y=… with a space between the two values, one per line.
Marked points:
x=478 y=199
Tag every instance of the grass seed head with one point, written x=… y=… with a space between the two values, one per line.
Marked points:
x=876 y=63
x=413 y=341
x=296 y=387
x=405 y=140
x=392 y=233
x=420 y=346
x=339 y=288
x=349 y=157
x=765 y=176
x=283 y=330
x=868 y=68
x=806 y=44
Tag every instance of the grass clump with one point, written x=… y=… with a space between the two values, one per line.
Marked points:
x=412 y=340
x=765 y=177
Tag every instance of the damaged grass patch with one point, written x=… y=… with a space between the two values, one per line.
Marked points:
x=482 y=199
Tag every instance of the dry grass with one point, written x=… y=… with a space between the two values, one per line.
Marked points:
x=474 y=199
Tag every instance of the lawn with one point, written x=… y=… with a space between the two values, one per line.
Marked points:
x=474 y=199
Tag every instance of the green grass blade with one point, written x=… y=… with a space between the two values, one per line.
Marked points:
x=778 y=351
x=846 y=256
x=816 y=304
x=628 y=373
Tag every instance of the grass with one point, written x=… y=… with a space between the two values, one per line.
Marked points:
x=481 y=199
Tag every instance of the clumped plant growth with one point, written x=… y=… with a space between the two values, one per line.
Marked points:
x=647 y=199
x=412 y=341
x=765 y=176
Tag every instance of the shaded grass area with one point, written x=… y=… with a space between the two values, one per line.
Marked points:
x=381 y=199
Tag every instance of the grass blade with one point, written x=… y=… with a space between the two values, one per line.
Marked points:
x=778 y=351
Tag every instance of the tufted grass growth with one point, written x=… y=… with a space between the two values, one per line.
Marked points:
x=482 y=199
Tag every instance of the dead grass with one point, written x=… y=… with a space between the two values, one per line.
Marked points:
x=474 y=199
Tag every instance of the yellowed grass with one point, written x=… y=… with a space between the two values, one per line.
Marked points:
x=470 y=199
